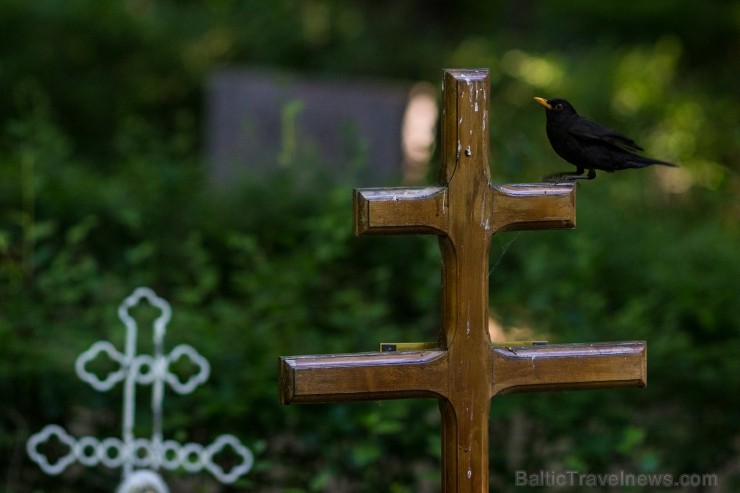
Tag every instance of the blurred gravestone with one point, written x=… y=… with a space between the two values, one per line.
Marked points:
x=261 y=121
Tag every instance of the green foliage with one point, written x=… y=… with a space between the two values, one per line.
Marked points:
x=102 y=189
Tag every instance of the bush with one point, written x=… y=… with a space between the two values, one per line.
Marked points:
x=102 y=189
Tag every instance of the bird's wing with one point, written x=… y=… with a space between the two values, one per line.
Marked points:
x=586 y=129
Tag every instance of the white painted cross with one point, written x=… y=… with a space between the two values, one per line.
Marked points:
x=140 y=458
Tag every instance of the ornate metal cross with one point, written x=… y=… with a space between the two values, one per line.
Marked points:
x=140 y=458
x=465 y=371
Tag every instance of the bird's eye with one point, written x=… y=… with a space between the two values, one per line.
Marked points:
x=558 y=106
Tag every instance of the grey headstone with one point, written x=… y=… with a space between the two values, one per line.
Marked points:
x=259 y=121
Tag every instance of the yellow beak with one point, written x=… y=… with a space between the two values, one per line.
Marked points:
x=543 y=102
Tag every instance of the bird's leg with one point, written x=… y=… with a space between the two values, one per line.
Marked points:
x=567 y=176
x=559 y=177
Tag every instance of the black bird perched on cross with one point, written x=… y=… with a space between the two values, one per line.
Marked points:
x=588 y=145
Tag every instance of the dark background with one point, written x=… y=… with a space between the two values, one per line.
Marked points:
x=104 y=187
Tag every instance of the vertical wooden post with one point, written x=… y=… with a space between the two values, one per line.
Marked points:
x=464 y=249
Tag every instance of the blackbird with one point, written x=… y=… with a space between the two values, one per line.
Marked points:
x=588 y=145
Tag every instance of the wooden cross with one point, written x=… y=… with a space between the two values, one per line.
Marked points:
x=465 y=371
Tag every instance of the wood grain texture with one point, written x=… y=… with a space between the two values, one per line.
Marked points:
x=569 y=367
x=465 y=371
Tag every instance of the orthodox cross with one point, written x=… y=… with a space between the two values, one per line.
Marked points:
x=464 y=371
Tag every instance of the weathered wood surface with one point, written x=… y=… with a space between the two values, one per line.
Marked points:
x=465 y=372
x=396 y=375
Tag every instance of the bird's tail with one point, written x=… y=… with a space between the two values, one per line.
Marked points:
x=643 y=161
